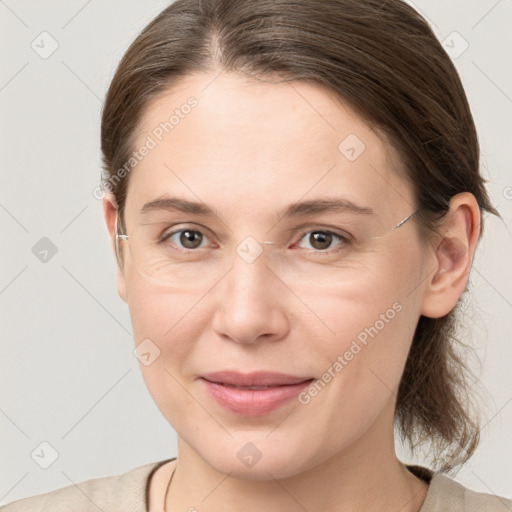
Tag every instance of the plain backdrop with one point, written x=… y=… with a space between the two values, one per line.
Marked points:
x=69 y=378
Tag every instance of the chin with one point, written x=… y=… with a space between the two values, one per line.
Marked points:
x=259 y=459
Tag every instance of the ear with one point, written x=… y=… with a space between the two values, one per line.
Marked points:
x=453 y=256
x=110 y=215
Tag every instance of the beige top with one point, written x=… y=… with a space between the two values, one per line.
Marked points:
x=129 y=492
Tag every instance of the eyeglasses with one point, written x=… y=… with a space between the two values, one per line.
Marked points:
x=162 y=261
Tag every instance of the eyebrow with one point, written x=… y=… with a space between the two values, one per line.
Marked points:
x=300 y=209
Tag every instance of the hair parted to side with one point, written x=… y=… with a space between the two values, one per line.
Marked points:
x=381 y=58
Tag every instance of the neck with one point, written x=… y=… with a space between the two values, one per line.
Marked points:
x=364 y=476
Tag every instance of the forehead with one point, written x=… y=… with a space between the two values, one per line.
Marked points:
x=256 y=145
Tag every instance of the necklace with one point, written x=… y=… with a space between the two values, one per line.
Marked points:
x=167 y=490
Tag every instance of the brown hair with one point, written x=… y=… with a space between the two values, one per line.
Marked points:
x=384 y=60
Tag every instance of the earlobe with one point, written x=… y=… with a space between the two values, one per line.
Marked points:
x=110 y=215
x=453 y=256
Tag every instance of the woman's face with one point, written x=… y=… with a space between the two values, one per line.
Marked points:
x=339 y=311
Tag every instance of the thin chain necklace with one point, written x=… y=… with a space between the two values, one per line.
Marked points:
x=167 y=490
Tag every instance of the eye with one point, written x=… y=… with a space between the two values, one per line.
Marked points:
x=188 y=239
x=185 y=239
x=322 y=239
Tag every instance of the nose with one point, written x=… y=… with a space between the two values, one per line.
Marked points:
x=252 y=303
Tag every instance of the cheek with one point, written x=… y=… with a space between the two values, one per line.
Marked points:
x=365 y=357
x=372 y=323
x=159 y=312
x=164 y=324
x=376 y=300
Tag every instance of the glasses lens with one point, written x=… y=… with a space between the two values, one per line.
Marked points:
x=186 y=258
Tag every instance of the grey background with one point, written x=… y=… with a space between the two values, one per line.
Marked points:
x=68 y=375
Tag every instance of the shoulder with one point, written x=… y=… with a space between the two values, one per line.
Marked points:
x=445 y=494
x=124 y=492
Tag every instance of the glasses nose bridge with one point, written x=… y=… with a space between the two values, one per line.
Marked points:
x=250 y=249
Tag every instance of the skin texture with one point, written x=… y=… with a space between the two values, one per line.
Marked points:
x=249 y=149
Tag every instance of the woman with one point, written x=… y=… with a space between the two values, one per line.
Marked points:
x=294 y=199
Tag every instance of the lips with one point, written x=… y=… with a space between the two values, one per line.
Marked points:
x=255 y=379
x=253 y=394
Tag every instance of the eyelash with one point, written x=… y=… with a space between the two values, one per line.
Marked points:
x=345 y=240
